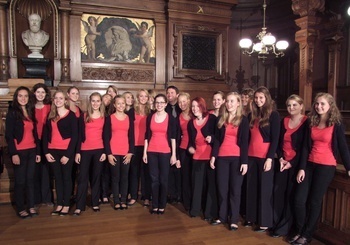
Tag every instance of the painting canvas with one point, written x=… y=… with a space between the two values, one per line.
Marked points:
x=117 y=39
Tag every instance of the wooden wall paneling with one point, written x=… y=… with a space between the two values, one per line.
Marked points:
x=75 y=49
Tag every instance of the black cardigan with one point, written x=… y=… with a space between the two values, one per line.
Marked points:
x=270 y=133
x=15 y=130
x=171 y=130
x=242 y=139
x=68 y=128
x=339 y=145
x=207 y=130
x=297 y=141
x=107 y=135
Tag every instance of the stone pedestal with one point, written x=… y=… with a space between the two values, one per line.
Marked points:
x=36 y=68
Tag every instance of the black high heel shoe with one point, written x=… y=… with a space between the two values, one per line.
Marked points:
x=161 y=211
x=154 y=211
x=96 y=209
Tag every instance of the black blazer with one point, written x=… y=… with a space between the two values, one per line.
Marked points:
x=68 y=128
x=271 y=133
x=297 y=141
x=169 y=109
x=171 y=130
x=15 y=130
x=107 y=135
x=207 y=130
x=242 y=140
x=339 y=145
x=82 y=134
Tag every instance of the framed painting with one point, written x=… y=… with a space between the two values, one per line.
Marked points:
x=117 y=39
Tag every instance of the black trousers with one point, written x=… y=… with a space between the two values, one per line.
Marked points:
x=146 y=182
x=135 y=172
x=63 y=176
x=174 y=186
x=229 y=183
x=309 y=195
x=90 y=169
x=186 y=172
x=105 y=180
x=120 y=180
x=42 y=182
x=259 y=193
x=204 y=190
x=24 y=179
x=159 y=165
x=283 y=199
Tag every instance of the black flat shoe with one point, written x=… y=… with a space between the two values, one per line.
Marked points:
x=33 y=212
x=24 y=215
x=154 y=211
x=233 y=228
x=64 y=213
x=96 y=209
x=293 y=238
x=56 y=212
x=275 y=235
x=161 y=211
x=105 y=200
x=124 y=206
x=259 y=229
x=76 y=213
x=301 y=241
x=216 y=222
x=146 y=203
x=247 y=224
x=117 y=207
x=131 y=202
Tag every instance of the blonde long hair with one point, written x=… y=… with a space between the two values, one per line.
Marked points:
x=333 y=114
x=137 y=103
x=89 y=110
x=224 y=114
x=53 y=115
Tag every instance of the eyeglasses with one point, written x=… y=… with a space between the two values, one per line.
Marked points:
x=159 y=102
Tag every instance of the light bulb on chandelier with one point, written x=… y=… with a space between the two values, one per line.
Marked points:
x=266 y=45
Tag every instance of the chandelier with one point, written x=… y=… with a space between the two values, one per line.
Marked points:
x=266 y=45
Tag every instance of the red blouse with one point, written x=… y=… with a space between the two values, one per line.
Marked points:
x=140 y=129
x=203 y=149
x=184 y=136
x=119 y=141
x=321 y=151
x=28 y=141
x=41 y=116
x=93 y=132
x=229 y=146
x=159 y=141
x=288 y=151
x=57 y=142
x=257 y=146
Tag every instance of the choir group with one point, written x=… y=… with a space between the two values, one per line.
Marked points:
x=239 y=160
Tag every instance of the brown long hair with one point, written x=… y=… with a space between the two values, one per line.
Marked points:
x=53 y=115
x=262 y=114
x=89 y=110
x=333 y=114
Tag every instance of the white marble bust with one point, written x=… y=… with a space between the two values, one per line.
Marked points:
x=35 y=38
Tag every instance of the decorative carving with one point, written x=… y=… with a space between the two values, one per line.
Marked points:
x=200 y=77
x=118 y=74
x=307 y=7
x=28 y=7
x=188 y=7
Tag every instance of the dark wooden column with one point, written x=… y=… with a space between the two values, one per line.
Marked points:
x=334 y=42
x=65 y=58
x=4 y=48
x=306 y=37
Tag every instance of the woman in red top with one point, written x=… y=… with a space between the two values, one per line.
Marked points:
x=185 y=159
x=264 y=135
x=43 y=193
x=59 y=141
x=160 y=151
x=289 y=150
x=201 y=130
x=218 y=100
x=138 y=114
x=23 y=147
x=230 y=158
x=90 y=153
x=324 y=139
x=119 y=146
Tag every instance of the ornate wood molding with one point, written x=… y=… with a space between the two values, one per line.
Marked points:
x=307 y=7
x=118 y=74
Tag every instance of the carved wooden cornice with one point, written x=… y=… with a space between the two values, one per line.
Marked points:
x=194 y=7
x=118 y=74
x=307 y=7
